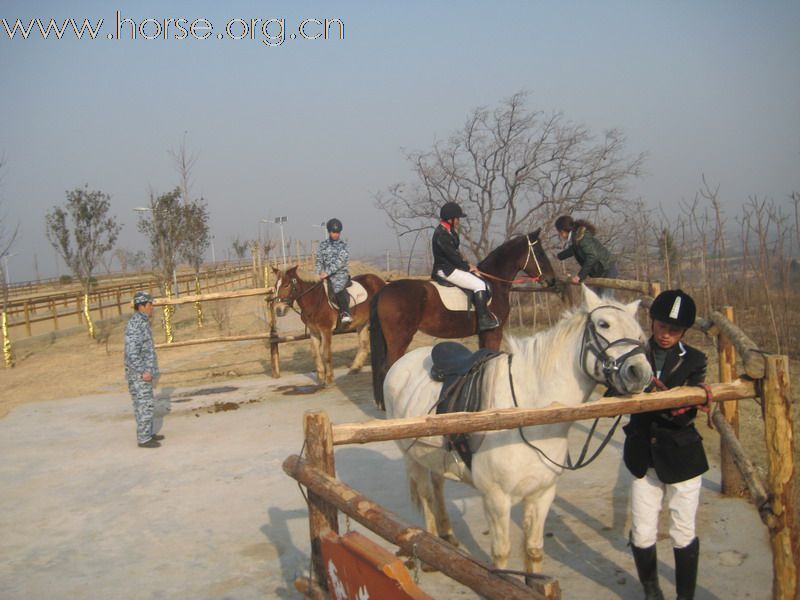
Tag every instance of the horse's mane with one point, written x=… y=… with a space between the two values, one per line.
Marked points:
x=492 y=257
x=535 y=351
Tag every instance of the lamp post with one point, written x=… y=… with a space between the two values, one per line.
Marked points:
x=322 y=225
x=280 y=221
x=5 y=268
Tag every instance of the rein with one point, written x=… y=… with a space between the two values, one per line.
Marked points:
x=582 y=461
x=598 y=345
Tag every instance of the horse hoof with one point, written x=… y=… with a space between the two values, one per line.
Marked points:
x=426 y=568
x=354 y=371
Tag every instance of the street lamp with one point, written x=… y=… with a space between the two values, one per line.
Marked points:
x=280 y=221
x=5 y=267
x=322 y=225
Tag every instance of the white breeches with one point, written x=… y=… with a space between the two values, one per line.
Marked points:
x=647 y=494
x=464 y=280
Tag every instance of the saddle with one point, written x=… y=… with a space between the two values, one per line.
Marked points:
x=356 y=293
x=461 y=372
x=454 y=297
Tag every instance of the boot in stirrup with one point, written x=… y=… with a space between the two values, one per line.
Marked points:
x=486 y=320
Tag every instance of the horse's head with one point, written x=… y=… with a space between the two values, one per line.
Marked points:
x=536 y=264
x=613 y=346
x=286 y=289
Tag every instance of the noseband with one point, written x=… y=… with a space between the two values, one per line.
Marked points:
x=599 y=346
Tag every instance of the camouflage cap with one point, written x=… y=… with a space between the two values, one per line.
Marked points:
x=141 y=298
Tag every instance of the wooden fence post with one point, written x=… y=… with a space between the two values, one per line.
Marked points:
x=54 y=310
x=777 y=403
x=27 y=319
x=732 y=481
x=322 y=517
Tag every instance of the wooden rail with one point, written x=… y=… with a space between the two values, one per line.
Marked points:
x=511 y=418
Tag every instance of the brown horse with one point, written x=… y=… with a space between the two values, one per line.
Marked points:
x=321 y=319
x=406 y=306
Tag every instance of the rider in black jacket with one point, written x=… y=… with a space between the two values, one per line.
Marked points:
x=449 y=265
x=664 y=451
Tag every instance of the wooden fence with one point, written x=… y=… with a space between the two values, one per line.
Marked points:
x=766 y=377
x=109 y=301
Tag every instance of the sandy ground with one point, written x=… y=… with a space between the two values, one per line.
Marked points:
x=86 y=514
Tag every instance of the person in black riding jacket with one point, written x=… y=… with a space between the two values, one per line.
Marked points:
x=449 y=265
x=664 y=451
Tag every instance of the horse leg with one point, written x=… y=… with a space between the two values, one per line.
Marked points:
x=363 y=349
x=421 y=489
x=497 y=506
x=327 y=356
x=316 y=352
x=535 y=512
x=443 y=524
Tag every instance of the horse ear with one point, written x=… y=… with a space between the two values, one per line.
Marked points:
x=590 y=299
x=535 y=234
x=633 y=308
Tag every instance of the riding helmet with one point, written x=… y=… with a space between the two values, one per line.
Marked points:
x=675 y=307
x=334 y=226
x=450 y=210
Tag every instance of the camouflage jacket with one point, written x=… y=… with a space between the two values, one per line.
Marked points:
x=333 y=258
x=140 y=353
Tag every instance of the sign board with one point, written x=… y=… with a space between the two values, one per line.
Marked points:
x=359 y=569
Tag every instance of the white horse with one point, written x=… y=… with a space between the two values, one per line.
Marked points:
x=599 y=342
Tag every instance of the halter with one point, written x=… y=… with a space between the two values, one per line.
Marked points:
x=599 y=346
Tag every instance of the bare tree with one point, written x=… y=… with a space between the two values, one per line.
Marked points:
x=184 y=163
x=8 y=235
x=82 y=232
x=164 y=226
x=240 y=247
x=197 y=236
x=512 y=170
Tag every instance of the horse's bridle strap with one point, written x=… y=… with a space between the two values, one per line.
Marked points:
x=582 y=461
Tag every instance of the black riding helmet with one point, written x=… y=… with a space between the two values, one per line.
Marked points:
x=450 y=210
x=334 y=226
x=675 y=307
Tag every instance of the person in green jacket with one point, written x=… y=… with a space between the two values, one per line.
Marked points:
x=594 y=258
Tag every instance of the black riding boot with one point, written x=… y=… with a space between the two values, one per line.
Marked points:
x=486 y=320
x=686 y=560
x=647 y=569
x=343 y=300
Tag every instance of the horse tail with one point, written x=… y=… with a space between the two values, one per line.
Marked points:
x=377 y=351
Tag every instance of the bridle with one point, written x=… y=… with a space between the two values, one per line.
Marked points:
x=599 y=346
x=530 y=254
x=293 y=296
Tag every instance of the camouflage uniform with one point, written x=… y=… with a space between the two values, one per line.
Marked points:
x=140 y=356
x=333 y=258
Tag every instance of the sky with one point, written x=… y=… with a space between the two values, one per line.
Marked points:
x=315 y=128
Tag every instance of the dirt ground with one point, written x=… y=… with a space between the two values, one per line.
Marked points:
x=84 y=513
